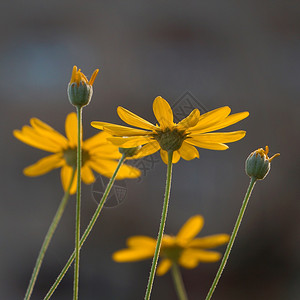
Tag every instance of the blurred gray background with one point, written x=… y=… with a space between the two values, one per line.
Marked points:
x=244 y=54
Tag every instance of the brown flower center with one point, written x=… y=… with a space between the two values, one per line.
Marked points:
x=170 y=140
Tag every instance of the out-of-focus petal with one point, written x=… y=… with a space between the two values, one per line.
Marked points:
x=163 y=266
x=87 y=175
x=190 y=229
x=134 y=254
x=141 y=241
x=107 y=168
x=30 y=137
x=71 y=129
x=44 y=165
x=66 y=176
x=211 y=241
x=47 y=131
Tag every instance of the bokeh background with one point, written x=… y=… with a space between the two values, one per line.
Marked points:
x=244 y=54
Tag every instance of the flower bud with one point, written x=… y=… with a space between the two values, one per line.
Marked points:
x=258 y=163
x=80 y=90
x=128 y=152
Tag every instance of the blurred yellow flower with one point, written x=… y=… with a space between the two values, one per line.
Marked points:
x=194 y=130
x=97 y=154
x=183 y=249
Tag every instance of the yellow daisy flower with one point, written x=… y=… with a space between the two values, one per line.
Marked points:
x=183 y=249
x=97 y=154
x=194 y=130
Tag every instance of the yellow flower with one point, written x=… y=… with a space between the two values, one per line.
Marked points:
x=194 y=130
x=97 y=154
x=183 y=249
x=80 y=90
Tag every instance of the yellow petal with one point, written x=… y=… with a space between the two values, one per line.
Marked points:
x=66 y=176
x=190 y=229
x=107 y=168
x=71 y=129
x=163 y=113
x=129 y=142
x=87 y=174
x=168 y=241
x=45 y=165
x=232 y=119
x=47 y=131
x=212 y=117
x=199 y=255
x=96 y=140
x=220 y=137
x=133 y=119
x=119 y=130
x=188 y=152
x=189 y=121
x=146 y=150
x=164 y=156
x=188 y=261
x=211 y=241
x=135 y=254
x=163 y=266
x=31 y=138
x=141 y=241
x=108 y=151
x=197 y=141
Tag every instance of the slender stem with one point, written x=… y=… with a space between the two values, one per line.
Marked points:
x=232 y=238
x=161 y=226
x=48 y=238
x=78 y=203
x=178 y=282
x=87 y=231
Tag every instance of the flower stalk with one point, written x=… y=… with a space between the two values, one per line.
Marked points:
x=232 y=238
x=161 y=226
x=78 y=203
x=178 y=282
x=48 y=238
x=88 y=229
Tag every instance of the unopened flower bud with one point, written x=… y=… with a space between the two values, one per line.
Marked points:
x=80 y=90
x=128 y=152
x=258 y=163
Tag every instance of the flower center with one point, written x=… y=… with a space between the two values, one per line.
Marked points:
x=70 y=156
x=172 y=252
x=170 y=140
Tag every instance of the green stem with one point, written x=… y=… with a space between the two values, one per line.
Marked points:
x=161 y=226
x=232 y=238
x=78 y=203
x=48 y=238
x=180 y=289
x=88 y=229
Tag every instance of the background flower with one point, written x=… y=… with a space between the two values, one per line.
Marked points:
x=183 y=249
x=97 y=153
